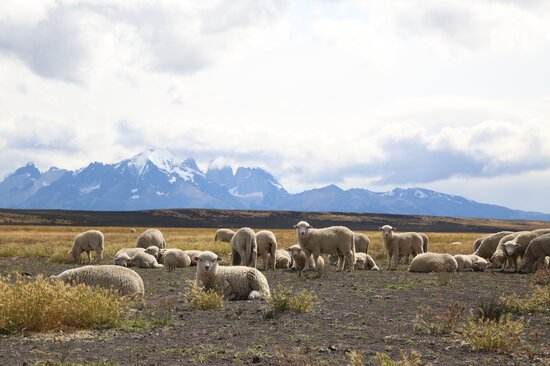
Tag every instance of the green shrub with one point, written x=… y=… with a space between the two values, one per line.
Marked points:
x=504 y=335
x=203 y=300
x=539 y=301
x=281 y=300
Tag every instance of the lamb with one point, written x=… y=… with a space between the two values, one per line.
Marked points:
x=244 y=249
x=234 y=283
x=331 y=240
x=511 y=254
x=175 y=258
x=433 y=262
x=299 y=259
x=402 y=243
x=283 y=259
x=128 y=252
x=88 y=241
x=365 y=261
x=192 y=254
x=156 y=252
x=362 y=243
x=267 y=247
x=489 y=244
x=140 y=259
x=224 y=235
x=535 y=254
x=120 y=279
x=151 y=237
x=470 y=262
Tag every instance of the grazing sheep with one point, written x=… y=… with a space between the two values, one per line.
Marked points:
x=478 y=241
x=299 y=259
x=175 y=258
x=132 y=230
x=283 y=259
x=535 y=254
x=151 y=237
x=499 y=257
x=88 y=241
x=267 y=246
x=331 y=240
x=140 y=259
x=489 y=244
x=224 y=235
x=403 y=244
x=244 y=249
x=470 y=262
x=433 y=262
x=192 y=254
x=123 y=280
x=234 y=283
x=365 y=261
x=362 y=243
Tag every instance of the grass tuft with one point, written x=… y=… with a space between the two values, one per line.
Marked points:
x=491 y=309
x=355 y=359
x=428 y=321
x=282 y=301
x=203 y=300
x=406 y=360
x=539 y=301
x=504 y=335
x=542 y=277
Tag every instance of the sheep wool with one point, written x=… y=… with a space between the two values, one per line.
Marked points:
x=193 y=254
x=224 y=235
x=244 y=249
x=365 y=262
x=470 y=262
x=151 y=237
x=400 y=245
x=489 y=244
x=362 y=243
x=267 y=248
x=128 y=251
x=433 y=262
x=139 y=259
x=299 y=258
x=175 y=258
x=88 y=241
x=535 y=254
x=283 y=259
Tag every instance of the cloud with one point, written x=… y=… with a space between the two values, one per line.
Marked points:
x=36 y=134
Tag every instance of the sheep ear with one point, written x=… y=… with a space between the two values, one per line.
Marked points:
x=380 y=228
x=295 y=226
x=195 y=258
x=219 y=259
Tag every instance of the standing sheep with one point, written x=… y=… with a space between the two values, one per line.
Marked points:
x=234 y=283
x=535 y=254
x=140 y=259
x=523 y=238
x=365 y=261
x=123 y=280
x=489 y=244
x=433 y=262
x=470 y=262
x=88 y=241
x=478 y=241
x=299 y=259
x=224 y=235
x=267 y=246
x=511 y=254
x=151 y=237
x=283 y=259
x=362 y=243
x=175 y=258
x=400 y=244
x=244 y=249
x=331 y=240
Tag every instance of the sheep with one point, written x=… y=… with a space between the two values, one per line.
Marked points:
x=478 y=241
x=283 y=259
x=433 y=262
x=88 y=241
x=535 y=254
x=425 y=242
x=224 y=235
x=402 y=243
x=362 y=243
x=331 y=240
x=365 y=261
x=132 y=231
x=156 y=252
x=139 y=259
x=128 y=252
x=120 y=279
x=244 y=249
x=470 y=262
x=523 y=238
x=234 y=283
x=547 y=262
x=151 y=237
x=511 y=254
x=489 y=244
x=175 y=258
x=267 y=246
x=299 y=259
x=192 y=254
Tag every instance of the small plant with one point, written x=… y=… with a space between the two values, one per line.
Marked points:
x=203 y=300
x=491 y=309
x=406 y=360
x=428 y=321
x=355 y=359
x=504 y=335
x=539 y=301
x=282 y=301
x=542 y=277
x=443 y=279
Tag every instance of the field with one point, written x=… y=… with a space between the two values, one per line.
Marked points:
x=357 y=318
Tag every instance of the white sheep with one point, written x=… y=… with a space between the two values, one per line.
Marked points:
x=299 y=259
x=267 y=246
x=132 y=231
x=499 y=257
x=283 y=259
x=536 y=253
x=365 y=261
x=433 y=262
x=489 y=244
x=244 y=249
x=403 y=244
x=511 y=254
x=173 y=258
x=128 y=252
x=88 y=241
x=410 y=256
x=192 y=253
x=224 y=235
x=547 y=262
x=425 y=242
x=470 y=262
x=362 y=243
x=139 y=259
x=120 y=279
x=234 y=282
x=330 y=240
x=156 y=252
x=151 y=237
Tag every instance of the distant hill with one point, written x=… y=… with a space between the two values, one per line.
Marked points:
x=156 y=179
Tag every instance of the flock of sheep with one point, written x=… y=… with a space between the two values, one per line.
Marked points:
x=345 y=249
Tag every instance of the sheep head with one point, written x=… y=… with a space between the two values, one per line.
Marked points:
x=302 y=228
x=387 y=231
x=207 y=262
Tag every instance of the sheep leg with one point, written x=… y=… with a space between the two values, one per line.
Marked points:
x=390 y=255
x=272 y=256
x=254 y=258
x=515 y=259
x=350 y=257
x=89 y=254
x=316 y=255
x=396 y=256
x=99 y=256
x=306 y=265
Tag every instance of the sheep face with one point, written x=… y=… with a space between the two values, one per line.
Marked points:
x=122 y=261
x=479 y=266
x=154 y=251
x=207 y=262
x=294 y=251
x=511 y=248
x=302 y=228
x=387 y=231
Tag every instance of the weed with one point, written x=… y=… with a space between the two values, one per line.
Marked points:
x=503 y=335
x=491 y=309
x=355 y=359
x=203 y=300
x=443 y=279
x=428 y=321
x=406 y=283
x=299 y=356
x=539 y=301
x=281 y=301
x=542 y=277
x=406 y=360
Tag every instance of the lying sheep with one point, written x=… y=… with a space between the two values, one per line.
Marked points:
x=299 y=259
x=535 y=254
x=362 y=243
x=470 y=262
x=365 y=261
x=267 y=246
x=122 y=280
x=489 y=244
x=331 y=240
x=192 y=254
x=244 y=249
x=175 y=258
x=151 y=237
x=234 y=283
x=128 y=252
x=156 y=252
x=132 y=230
x=88 y=241
x=433 y=262
x=140 y=259
x=283 y=259
x=224 y=235
x=403 y=244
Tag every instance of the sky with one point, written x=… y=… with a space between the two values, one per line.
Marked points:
x=452 y=96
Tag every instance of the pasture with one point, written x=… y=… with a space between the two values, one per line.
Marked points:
x=363 y=317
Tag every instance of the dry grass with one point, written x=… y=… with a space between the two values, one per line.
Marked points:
x=282 y=300
x=406 y=360
x=504 y=335
x=538 y=301
x=202 y=300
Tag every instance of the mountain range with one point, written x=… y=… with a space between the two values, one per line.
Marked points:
x=156 y=179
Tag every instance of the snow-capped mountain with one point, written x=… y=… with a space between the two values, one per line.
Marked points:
x=156 y=179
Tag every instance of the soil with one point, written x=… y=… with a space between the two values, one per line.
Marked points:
x=362 y=311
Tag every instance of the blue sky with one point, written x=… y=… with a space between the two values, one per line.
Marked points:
x=452 y=96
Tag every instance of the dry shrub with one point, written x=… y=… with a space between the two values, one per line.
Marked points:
x=406 y=360
x=542 y=277
x=355 y=359
x=203 y=300
x=429 y=321
x=504 y=335
x=539 y=301
x=45 y=305
x=282 y=300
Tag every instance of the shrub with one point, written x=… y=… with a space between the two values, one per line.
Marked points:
x=406 y=360
x=45 y=305
x=428 y=321
x=491 y=309
x=502 y=335
x=355 y=359
x=282 y=301
x=542 y=277
x=203 y=300
x=539 y=301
